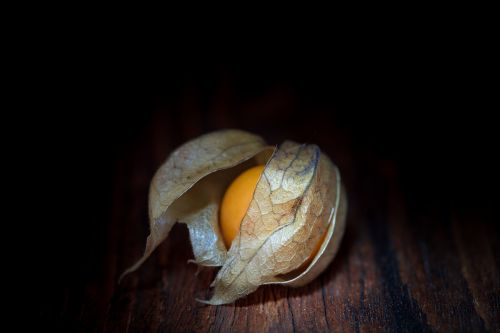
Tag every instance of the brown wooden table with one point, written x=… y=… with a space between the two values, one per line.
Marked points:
x=412 y=258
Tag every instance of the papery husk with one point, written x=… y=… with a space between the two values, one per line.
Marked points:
x=298 y=198
x=327 y=251
x=189 y=186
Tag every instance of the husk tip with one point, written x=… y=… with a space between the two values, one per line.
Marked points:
x=123 y=275
x=212 y=301
x=132 y=268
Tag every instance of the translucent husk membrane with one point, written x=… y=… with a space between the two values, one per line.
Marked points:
x=298 y=198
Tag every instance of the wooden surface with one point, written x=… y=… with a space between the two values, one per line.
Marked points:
x=413 y=259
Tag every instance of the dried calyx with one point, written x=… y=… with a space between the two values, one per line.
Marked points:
x=289 y=231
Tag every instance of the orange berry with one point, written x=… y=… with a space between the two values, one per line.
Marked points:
x=236 y=201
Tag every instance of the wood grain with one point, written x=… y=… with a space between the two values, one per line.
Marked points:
x=408 y=263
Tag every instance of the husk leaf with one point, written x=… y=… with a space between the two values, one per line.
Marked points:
x=295 y=202
x=188 y=188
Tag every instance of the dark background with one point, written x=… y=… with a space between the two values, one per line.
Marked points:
x=413 y=128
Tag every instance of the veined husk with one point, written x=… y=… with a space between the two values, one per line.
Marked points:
x=298 y=199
